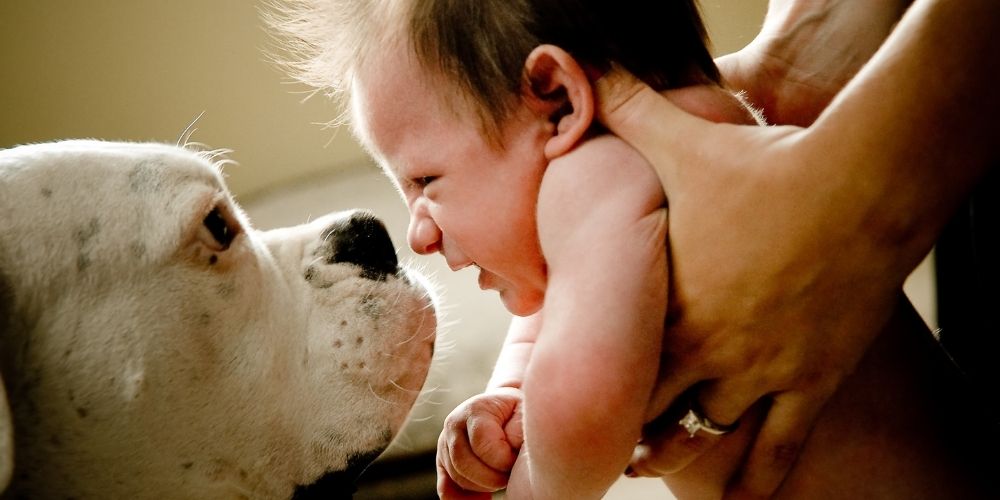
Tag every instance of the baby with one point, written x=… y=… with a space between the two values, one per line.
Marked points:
x=483 y=115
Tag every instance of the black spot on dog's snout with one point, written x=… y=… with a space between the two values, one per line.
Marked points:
x=362 y=240
x=313 y=278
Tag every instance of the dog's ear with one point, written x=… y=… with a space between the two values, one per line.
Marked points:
x=557 y=87
x=6 y=440
x=6 y=422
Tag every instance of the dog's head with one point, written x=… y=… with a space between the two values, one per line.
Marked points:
x=155 y=345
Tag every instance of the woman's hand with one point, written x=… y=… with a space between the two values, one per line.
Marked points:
x=774 y=295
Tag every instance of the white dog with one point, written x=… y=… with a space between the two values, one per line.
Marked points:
x=153 y=345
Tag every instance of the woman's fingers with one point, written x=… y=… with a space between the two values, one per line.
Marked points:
x=778 y=444
x=669 y=451
x=663 y=133
x=679 y=437
x=622 y=102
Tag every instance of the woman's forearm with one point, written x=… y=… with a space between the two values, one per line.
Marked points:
x=805 y=53
x=916 y=129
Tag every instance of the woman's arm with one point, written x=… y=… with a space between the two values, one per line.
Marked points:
x=805 y=53
x=789 y=244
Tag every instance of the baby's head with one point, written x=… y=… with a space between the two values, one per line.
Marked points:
x=464 y=103
x=479 y=47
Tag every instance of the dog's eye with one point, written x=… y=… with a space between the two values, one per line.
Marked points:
x=216 y=224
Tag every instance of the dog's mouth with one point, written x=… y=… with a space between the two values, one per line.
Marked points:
x=338 y=485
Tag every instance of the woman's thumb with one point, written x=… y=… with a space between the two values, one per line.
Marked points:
x=648 y=121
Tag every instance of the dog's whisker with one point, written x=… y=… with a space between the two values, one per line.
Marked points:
x=430 y=390
x=422 y=419
x=185 y=136
x=380 y=398
x=444 y=345
x=405 y=443
x=409 y=339
x=426 y=399
x=404 y=389
x=327 y=236
x=396 y=298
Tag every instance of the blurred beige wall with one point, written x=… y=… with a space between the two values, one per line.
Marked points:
x=732 y=23
x=144 y=69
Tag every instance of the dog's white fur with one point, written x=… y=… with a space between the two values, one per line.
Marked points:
x=142 y=359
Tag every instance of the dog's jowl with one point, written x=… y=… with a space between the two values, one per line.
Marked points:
x=154 y=345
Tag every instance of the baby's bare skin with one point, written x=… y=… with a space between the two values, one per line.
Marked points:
x=596 y=343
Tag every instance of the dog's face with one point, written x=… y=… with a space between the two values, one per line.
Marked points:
x=154 y=345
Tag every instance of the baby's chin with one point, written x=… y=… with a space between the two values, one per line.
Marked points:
x=520 y=303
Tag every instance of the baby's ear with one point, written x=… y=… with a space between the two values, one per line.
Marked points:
x=558 y=88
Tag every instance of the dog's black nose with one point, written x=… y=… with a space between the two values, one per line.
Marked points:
x=361 y=239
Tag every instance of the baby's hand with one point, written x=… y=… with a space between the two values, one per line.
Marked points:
x=479 y=444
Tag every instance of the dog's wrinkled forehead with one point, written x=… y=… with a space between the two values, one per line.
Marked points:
x=106 y=199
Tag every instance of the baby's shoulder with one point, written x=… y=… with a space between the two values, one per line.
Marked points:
x=603 y=154
x=602 y=167
x=603 y=178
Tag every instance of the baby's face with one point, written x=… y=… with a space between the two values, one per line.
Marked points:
x=470 y=201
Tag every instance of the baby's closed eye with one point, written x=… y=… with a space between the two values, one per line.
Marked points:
x=423 y=181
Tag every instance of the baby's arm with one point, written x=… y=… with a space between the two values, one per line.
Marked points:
x=602 y=229
x=516 y=351
x=482 y=436
x=478 y=444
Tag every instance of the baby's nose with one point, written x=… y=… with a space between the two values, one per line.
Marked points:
x=423 y=235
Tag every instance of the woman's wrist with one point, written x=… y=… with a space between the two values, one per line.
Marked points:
x=806 y=52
